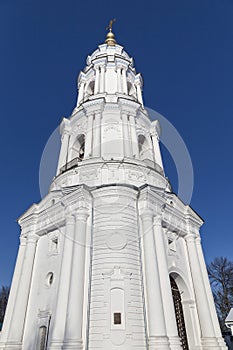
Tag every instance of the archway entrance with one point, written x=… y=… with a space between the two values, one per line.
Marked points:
x=179 y=314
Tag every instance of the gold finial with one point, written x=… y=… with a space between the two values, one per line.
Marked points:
x=110 y=38
x=109 y=27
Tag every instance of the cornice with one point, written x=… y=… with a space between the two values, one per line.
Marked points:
x=129 y=106
x=96 y=105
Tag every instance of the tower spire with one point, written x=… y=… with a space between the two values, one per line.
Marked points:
x=110 y=37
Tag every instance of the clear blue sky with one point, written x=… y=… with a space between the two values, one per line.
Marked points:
x=184 y=50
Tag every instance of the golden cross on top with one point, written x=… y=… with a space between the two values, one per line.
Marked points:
x=109 y=27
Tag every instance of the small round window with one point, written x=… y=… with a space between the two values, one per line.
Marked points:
x=49 y=278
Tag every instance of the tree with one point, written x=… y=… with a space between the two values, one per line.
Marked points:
x=4 y=294
x=220 y=272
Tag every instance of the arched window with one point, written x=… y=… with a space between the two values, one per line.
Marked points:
x=179 y=314
x=141 y=144
x=42 y=341
x=78 y=148
x=145 y=148
x=131 y=89
x=81 y=140
x=90 y=88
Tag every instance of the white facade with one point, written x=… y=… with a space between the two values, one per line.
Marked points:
x=98 y=254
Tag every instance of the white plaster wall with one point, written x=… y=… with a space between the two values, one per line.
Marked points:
x=116 y=263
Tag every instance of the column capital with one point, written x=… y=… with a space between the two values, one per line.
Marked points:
x=132 y=115
x=155 y=125
x=32 y=238
x=98 y=113
x=118 y=68
x=23 y=240
x=103 y=67
x=198 y=239
x=81 y=82
x=70 y=219
x=124 y=116
x=81 y=214
x=65 y=132
x=147 y=214
x=154 y=133
x=157 y=220
x=190 y=238
x=64 y=126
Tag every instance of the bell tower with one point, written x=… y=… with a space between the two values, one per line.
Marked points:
x=110 y=258
x=109 y=121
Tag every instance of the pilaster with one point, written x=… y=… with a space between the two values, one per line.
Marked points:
x=89 y=136
x=97 y=80
x=65 y=135
x=167 y=299
x=209 y=294
x=134 y=139
x=156 y=149
x=125 y=131
x=8 y=319
x=97 y=135
x=74 y=320
x=157 y=334
x=16 y=328
x=209 y=339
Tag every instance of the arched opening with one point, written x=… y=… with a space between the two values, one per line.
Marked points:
x=180 y=321
x=42 y=341
x=90 y=88
x=131 y=89
x=141 y=144
x=78 y=148
x=144 y=149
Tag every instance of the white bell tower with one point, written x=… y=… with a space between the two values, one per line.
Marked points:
x=110 y=259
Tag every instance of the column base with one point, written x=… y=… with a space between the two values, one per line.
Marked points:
x=160 y=342
x=175 y=343
x=55 y=345
x=213 y=344
x=73 y=345
x=11 y=346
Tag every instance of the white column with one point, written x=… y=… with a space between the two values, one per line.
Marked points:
x=59 y=319
x=209 y=292
x=89 y=137
x=205 y=317
x=134 y=139
x=13 y=291
x=119 y=83
x=168 y=305
x=80 y=92
x=16 y=328
x=157 y=153
x=97 y=80
x=139 y=94
x=125 y=132
x=124 y=81
x=102 y=78
x=155 y=313
x=74 y=320
x=97 y=135
x=64 y=150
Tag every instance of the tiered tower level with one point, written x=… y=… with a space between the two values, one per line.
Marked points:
x=110 y=258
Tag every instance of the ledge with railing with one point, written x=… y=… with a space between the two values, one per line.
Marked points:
x=75 y=162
